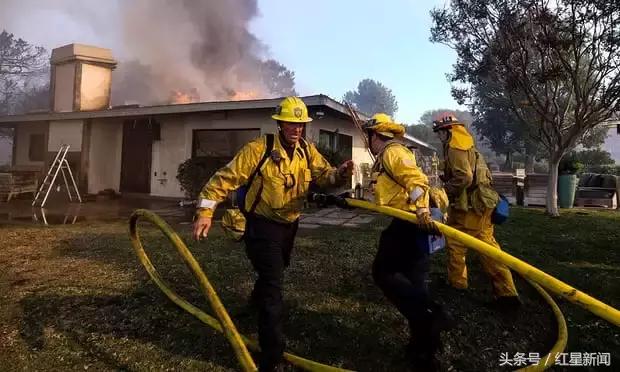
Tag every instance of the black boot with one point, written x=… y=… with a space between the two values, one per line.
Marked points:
x=440 y=321
x=421 y=355
x=254 y=301
x=425 y=338
x=267 y=364
x=271 y=368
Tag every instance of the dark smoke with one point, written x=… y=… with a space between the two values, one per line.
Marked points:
x=163 y=46
x=189 y=45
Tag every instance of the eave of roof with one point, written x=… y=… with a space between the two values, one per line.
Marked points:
x=419 y=142
x=315 y=100
x=311 y=101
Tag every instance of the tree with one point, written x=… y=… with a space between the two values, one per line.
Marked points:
x=595 y=137
x=425 y=133
x=32 y=98
x=495 y=122
x=277 y=78
x=372 y=97
x=19 y=62
x=557 y=63
x=505 y=132
x=594 y=158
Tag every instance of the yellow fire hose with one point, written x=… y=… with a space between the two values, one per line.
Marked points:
x=224 y=324
x=556 y=286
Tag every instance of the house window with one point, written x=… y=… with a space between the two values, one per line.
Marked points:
x=335 y=142
x=216 y=143
x=36 y=149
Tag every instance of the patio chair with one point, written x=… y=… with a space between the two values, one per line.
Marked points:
x=15 y=184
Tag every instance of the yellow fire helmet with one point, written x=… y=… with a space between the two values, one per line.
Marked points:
x=384 y=125
x=292 y=110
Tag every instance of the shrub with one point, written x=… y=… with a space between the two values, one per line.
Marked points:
x=604 y=169
x=570 y=164
x=193 y=173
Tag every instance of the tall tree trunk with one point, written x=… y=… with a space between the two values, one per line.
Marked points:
x=552 y=186
x=529 y=163
x=508 y=163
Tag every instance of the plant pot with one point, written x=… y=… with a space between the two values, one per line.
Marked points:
x=567 y=186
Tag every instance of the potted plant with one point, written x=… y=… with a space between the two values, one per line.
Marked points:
x=569 y=167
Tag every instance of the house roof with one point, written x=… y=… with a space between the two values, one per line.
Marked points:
x=132 y=111
x=418 y=142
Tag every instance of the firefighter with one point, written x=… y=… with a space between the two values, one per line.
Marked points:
x=468 y=183
x=273 y=203
x=401 y=265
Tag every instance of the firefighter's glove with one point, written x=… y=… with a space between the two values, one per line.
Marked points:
x=425 y=221
x=341 y=202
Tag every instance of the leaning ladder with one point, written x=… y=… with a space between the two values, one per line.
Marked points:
x=60 y=164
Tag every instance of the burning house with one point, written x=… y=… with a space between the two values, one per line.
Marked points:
x=135 y=149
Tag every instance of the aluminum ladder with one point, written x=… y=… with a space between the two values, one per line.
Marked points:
x=60 y=164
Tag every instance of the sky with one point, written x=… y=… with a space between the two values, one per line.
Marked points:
x=330 y=45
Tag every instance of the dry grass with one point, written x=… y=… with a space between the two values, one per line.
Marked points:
x=76 y=298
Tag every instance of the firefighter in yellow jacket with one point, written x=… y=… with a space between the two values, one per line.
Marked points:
x=468 y=183
x=401 y=265
x=275 y=197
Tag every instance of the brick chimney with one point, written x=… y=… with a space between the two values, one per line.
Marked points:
x=81 y=78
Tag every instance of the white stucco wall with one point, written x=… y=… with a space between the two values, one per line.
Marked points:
x=63 y=87
x=175 y=145
x=24 y=130
x=95 y=87
x=359 y=153
x=104 y=164
x=176 y=142
x=65 y=132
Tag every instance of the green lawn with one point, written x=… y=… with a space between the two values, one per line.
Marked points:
x=76 y=298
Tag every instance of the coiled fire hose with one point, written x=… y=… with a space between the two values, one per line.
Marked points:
x=224 y=324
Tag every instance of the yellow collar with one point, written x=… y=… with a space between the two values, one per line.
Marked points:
x=282 y=150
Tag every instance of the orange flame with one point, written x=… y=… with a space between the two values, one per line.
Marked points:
x=243 y=95
x=178 y=96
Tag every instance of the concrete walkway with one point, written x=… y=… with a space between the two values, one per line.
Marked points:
x=334 y=217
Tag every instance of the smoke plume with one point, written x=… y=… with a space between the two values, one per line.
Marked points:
x=168 y=50
x=186 y=46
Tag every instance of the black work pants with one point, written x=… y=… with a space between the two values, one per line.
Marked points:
x=401 y=269
x=268 y=246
